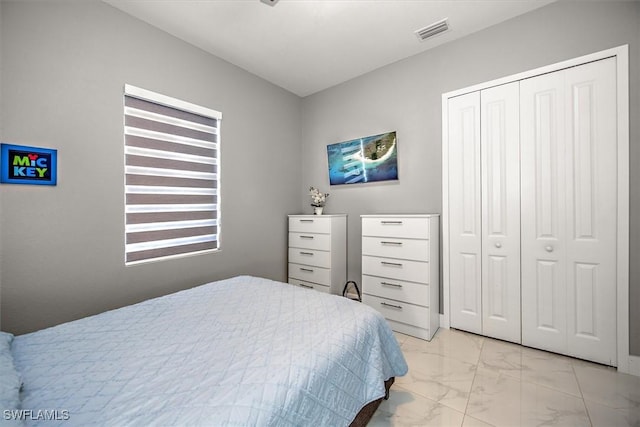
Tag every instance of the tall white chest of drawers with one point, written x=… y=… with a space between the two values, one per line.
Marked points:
x=400 y=271
x=318 y=252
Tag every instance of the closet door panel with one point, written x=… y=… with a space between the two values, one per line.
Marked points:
x=544 y=298
x=591 y=175
x=500 y=152
x=464 y=212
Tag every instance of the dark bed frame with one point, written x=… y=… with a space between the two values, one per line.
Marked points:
x=365 y=414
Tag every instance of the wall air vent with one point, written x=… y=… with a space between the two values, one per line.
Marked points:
x=432 y=30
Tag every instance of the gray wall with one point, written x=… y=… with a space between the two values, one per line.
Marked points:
x=406 y=97
x=65 y=66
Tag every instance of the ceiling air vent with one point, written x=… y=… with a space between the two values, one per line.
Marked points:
x=432 y=30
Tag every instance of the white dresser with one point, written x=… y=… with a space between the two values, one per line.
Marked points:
x=318 y=252
x=400 y=271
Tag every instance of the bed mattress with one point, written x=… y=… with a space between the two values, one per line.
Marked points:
x=237 y=352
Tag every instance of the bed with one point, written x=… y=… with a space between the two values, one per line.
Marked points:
x=236 y=352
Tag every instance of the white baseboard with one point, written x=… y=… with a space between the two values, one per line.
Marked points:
x=634 y=365
x=443 y=324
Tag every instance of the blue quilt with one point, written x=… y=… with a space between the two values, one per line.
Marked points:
x=239 y=352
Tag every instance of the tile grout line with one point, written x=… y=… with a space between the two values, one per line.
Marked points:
x=586 y=408
x=475 y=373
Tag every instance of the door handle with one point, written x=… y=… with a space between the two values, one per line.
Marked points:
x=548 y=248
x=498 y=245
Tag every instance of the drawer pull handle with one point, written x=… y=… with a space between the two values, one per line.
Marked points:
x=306 y=237
x=391 y=222
x=306 y=253
x=305 y=286
x=308 y=270
x=393 y=264
x=383 y=242
x=306 y=220
x=395 y=285
x=399 y=307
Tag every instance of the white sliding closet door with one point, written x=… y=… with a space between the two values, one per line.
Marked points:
x=569 y=200
x=500 y=153
x=464 y=212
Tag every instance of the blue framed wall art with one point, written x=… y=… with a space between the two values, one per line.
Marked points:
x=28 y=165
x=369 y=159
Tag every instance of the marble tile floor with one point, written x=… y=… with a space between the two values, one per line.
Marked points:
x=462 y=379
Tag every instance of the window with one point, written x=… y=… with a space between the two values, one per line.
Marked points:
x=172 y=199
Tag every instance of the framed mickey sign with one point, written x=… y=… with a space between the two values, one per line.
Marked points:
x=28 y=165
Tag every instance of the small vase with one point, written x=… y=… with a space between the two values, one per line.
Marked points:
x=317 y=210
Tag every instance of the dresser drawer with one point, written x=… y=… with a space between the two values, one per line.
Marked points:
x=412 y=271
x=401 y=227
x=399 y=311
x=389 y=247
x=310 y=257
x=308 y=273
x=310 y=241
x=309 y=285
x=310 y=224
x=415 y=293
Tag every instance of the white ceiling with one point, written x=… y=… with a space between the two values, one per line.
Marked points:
x=306 y=46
